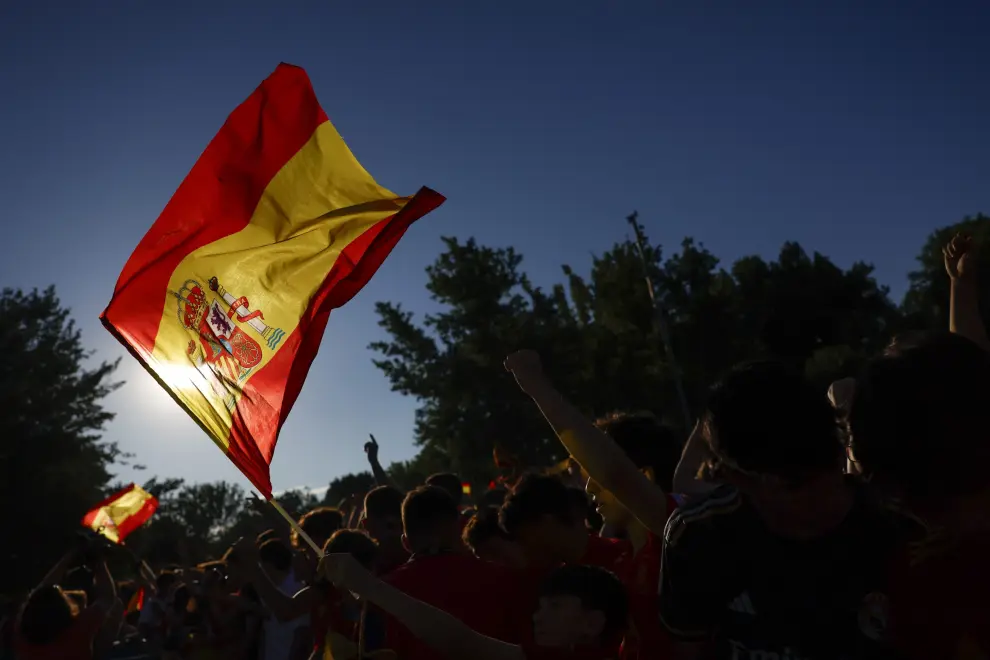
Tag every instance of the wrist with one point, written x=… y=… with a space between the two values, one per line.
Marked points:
x=538 y=387
x=966 y=286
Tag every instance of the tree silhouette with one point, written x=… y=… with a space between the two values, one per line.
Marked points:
x=55 y=464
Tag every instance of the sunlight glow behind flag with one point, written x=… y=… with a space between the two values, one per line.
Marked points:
x=121 y=513
x=225 y=299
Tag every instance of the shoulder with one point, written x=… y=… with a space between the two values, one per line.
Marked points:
x=704 y=516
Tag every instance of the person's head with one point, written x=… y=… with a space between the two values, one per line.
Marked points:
x=275 y=557
x=539 y=515
x=650 y=445
x=430 y=520
x=919 y=419
x=46 y=614
x=355 y=543
x=448 y=482
x=383 y=514
x=319 y=524
x=165 y=582
x=771 y=433
x=182 y=599
x=580 y=605
x=488 y=541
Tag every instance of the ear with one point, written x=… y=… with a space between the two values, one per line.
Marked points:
x=405 y=544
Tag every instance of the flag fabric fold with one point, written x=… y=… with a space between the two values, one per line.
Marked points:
x=225 y=299
x=121 y=513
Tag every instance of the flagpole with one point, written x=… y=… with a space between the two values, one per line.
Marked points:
x=295 y=526
x=661 y=318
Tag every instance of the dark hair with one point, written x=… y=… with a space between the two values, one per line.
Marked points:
x=425 y=508
x=355 y=543
x=165 y=581
x=383 y=502
x=319 y=524
x=919 y=415
x=449 y=482
x=46 y=614
x=647 y=443
x=598 y=590
x=764 y=417
x=533 y=497
x=483 y=527
x=276 y=553
x=182 y=599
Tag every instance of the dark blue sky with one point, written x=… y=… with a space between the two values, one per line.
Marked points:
x=853 y=127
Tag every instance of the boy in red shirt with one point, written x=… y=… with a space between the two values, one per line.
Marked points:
x=582 y=611
x=654 y=450
x=383 y=522
x=481 y=595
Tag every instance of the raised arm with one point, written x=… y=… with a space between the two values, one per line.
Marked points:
x=450 y=637
x=601 y=458
x=371 y=449
x=964 y=296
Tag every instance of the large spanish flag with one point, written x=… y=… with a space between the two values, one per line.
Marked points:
x=226 y=298
x=121 y=513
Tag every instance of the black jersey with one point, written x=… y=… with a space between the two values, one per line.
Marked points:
x=725 y=577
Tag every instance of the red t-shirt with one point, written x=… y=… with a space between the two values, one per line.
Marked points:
x=533 y=652
x=75 y=643
x=640 y=573
x=604 y=552
x=483 y=595
x=938 y=600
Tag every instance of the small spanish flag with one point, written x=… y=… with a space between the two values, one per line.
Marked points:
x=121 y=513
x=466 y=488
x=136 y=602
x=225 y=299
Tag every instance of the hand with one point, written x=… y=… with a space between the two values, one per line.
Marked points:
x=526 y=367
x=345 y=572
x=960 y=257
x=371 y=449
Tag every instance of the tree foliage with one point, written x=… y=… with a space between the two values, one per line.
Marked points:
x=54 y=462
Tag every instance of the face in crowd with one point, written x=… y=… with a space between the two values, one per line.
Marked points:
x=580 y=605
x=539 y=514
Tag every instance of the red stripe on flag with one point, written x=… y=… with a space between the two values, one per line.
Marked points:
x=216 y=199
x=135 y=520
x=255 y=427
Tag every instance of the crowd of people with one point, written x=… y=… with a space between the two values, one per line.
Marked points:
x=793 y=524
